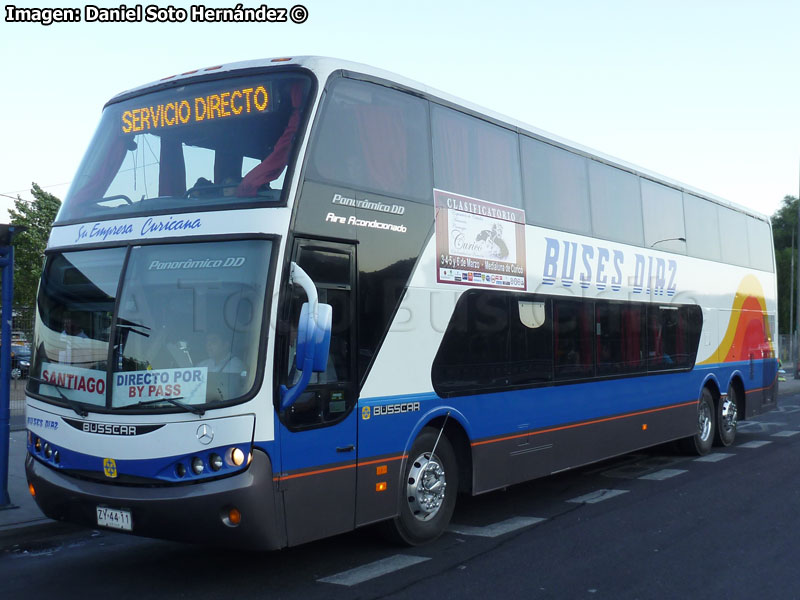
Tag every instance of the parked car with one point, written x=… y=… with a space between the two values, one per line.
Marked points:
x=20 y=361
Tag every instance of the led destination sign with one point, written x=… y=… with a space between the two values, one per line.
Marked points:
x=229 y=104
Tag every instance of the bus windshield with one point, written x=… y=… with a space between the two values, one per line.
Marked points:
x=124 y=328
x=198 y=145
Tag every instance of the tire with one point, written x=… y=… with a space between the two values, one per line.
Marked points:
x=727 y=418
x=16 y=373
x=427 y=495
x=702 y=441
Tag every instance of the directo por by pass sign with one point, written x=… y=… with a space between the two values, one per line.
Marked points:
x=187 y=383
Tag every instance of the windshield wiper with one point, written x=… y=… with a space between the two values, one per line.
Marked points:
x=133 y=327
x=73 y=404
x=175 y=401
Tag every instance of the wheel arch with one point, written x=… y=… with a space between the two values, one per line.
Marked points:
x=737 y=382
x=712 y=383
x=456 y=428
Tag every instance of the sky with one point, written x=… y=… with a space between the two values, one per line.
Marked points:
x=705 y=92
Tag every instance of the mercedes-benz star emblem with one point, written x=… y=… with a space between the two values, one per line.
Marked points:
x=205 y=434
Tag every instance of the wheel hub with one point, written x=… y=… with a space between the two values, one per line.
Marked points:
x=728 y=414
x=704 y=422
x=426 y=485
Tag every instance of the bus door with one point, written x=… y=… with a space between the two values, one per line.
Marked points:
x=318 y=433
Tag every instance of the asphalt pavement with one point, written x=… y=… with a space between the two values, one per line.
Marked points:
x=23 y=519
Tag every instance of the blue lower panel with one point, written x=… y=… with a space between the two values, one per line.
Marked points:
x=552 y=428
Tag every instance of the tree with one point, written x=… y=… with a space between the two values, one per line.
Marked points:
x=784 y=232
x=38 y=216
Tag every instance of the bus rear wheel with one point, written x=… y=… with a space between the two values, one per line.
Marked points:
x=703 y=439
x=727 y=418
x=428 y=491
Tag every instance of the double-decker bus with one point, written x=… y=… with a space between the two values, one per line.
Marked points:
x=286 y=298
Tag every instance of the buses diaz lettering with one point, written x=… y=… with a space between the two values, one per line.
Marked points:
x=599 y=267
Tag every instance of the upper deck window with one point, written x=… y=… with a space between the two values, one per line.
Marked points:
x=475 y=158
x=374 y=139
x=218 y=142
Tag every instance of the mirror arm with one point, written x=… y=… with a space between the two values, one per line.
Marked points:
x=299 y=276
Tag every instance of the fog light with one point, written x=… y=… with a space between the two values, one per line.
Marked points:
x=48 y=451
x=215 y=460
x=38 y=444
x=237 y=457
x=180 y=470
x=197 y=465
x=234 y=516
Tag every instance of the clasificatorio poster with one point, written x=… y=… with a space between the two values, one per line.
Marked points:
x=479 y=242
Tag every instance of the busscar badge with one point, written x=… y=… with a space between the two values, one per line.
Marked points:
x=110 y=467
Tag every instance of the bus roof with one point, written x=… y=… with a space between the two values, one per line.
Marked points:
x=323 y=67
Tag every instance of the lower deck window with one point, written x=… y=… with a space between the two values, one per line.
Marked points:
x=499 y=341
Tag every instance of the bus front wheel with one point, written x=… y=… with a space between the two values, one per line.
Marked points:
x=700 y=443
x=428 y=491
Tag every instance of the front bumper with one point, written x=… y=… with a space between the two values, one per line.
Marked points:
x=189 y=513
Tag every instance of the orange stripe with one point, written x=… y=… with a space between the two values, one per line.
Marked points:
x=761 y=389
x=574 y=425
x=375 y=462
x=340 y=468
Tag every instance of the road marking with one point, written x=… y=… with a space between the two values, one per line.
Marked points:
x=597 y=496
x=373 y=570
x=641 y=466
x=715 y=457
x=663 y=474
x=787 y=409
x=785 y=433
x=755 y=444
x=758 y=426
x=496 y=529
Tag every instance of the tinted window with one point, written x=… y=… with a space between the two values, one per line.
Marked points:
x=556 y=187
x=616 y=204
x=373 y=138
x=329 y=395
x=573 y=337
x=733 y=230
x=662 y=211
x=620 y=331
x=702 y=227
x=325 y=266
x=475 y=158
x=495 y=341
x=760 y=244
x=673 y=333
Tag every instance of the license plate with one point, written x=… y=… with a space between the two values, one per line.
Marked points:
x=114 y=518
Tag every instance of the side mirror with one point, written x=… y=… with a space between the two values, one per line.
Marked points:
x=313 y=337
